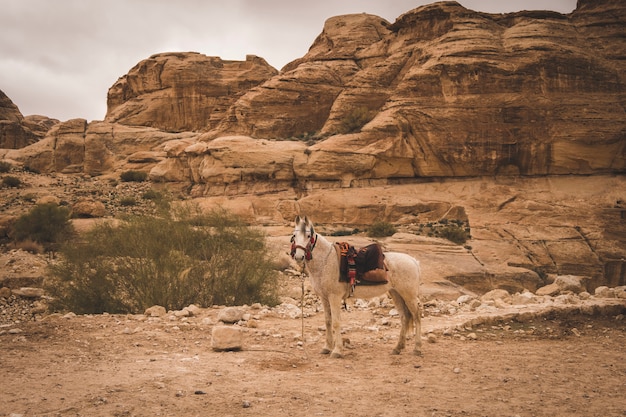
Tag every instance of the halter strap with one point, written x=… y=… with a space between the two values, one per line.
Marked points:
x=308 y=249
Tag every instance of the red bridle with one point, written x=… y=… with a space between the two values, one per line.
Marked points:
x=308 y=249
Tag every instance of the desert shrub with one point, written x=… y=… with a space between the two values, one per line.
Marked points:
x=168 y=261
x=454 y=233
x=152 y=195
x=5 y=166
x=128 y=201
x=29 y=246
x=133 y=176
x=345 y=232
x=46 y=224
x=354 y=120
x=11 y=181
x=381 y=229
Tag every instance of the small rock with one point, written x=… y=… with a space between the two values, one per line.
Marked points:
x=497 y=294
x=29 y=292
x=431 y=338
x=246 y=404
x=5 y=292
x=472 y=336
x=230 y=315
x=226 y=338
x=604 y=292
x=69 y=315
x=182 y=313
x=464 y=299
x=193 y=309
x=155 y=311
x=457 y=370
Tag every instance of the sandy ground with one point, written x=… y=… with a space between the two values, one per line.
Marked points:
x=115 y=365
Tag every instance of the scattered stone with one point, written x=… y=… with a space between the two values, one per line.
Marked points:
x=457 y=370
x=227 y=338
x=193 y=309
x=87 y=208
x=472 y=336
x=604 y=292
x=5 y=292
x=431 y=338
x=230 y=315
x=573 y=283
x=465 y=299
x=182 y=313
x=29 y=292
x=550 y=290
x=524 y=298
x=155 y=311
x=69 y=315
x=246 y=404
x=497 y=294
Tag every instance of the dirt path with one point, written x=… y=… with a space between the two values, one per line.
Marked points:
x=133 y=366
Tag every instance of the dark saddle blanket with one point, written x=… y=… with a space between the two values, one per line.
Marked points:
x=364 y=266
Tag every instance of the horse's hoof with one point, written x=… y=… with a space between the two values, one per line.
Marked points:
x=395 y=352
x=325 y=351
x=336 y=355
x=418 y=352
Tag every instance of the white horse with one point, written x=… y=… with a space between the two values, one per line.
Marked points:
x=322 y=266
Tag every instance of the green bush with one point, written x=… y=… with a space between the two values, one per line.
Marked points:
x=454 y=233
x=355 y=120
x=11 y=181
x=134 y=176
x=168 y=261
x=345 y=232
x=46 y=224
x=381 y=229
x=128 y=201
x=5 y=166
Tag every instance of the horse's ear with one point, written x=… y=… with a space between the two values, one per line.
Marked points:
x=297 y=219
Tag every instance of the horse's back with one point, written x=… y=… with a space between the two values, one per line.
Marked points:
x=403 y=268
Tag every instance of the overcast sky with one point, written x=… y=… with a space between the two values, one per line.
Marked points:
x=58 y=58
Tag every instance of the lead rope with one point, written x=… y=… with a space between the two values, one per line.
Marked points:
x=302 y=318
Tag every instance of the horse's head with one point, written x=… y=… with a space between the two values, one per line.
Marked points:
x=303 y=240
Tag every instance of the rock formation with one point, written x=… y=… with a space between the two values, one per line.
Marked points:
x=182 y=91
x=17 y=131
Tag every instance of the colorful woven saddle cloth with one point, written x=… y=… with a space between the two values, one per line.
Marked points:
x=364 y=266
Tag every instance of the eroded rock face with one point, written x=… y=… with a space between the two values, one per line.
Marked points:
x=17 y=131
x=453 y=92
x=182 y=91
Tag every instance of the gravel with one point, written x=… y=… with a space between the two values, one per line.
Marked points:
x=15 y=310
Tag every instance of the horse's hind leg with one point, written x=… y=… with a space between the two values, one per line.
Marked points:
x=405 y=320
x=413 y=306
x=328 y=346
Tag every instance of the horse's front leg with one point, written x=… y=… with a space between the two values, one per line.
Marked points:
x=335 y=313
x=328 y=346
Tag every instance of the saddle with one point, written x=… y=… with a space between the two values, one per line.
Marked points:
x=364 y=266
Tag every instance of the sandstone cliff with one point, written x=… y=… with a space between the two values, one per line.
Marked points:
x=182 y=91
x=17 y=131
